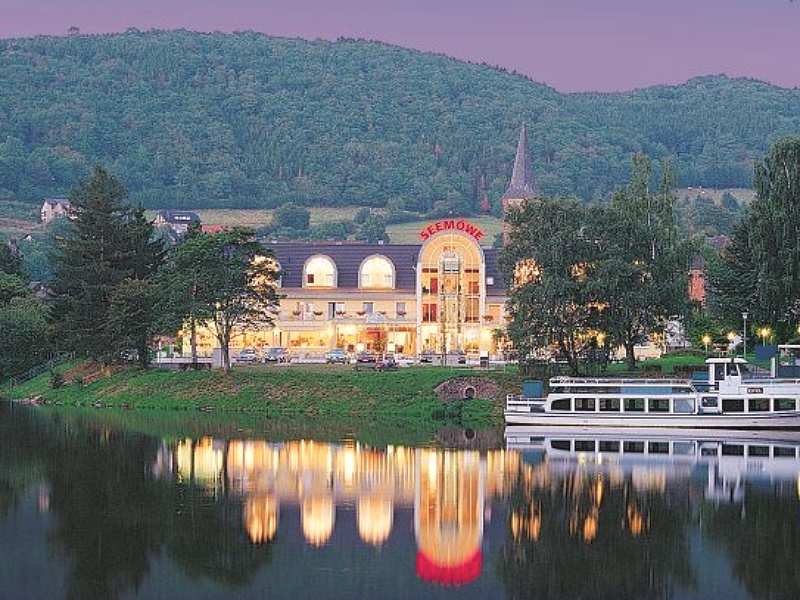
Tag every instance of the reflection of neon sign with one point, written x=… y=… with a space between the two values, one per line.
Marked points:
x=449 y=225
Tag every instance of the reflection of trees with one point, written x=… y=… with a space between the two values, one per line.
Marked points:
x=207 y=540
x=763 y=539
x=110 y=516
x=18 y=469
x=577 y=536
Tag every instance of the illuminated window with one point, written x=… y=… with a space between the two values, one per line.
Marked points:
x=376 y=272
x=320 y=271
x=526 y=271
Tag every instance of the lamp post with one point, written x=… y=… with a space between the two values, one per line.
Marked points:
x=706 y=341
x=744 y=334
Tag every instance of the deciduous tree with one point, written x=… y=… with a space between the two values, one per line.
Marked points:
x=226 y=279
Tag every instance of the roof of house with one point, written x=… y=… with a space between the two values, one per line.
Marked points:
x=56 y=201
x=347 y=257
x=178 y=216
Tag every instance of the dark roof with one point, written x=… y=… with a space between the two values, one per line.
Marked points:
x=179 y=216
x=348 y=258
x=523 y=183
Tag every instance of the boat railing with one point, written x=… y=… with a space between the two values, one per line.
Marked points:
x=520 y=403
x=617 y=381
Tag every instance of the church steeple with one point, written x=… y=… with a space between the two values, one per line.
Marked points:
x=522 y=186
x=523 y=183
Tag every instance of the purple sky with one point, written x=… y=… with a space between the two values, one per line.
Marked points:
x=571 y=45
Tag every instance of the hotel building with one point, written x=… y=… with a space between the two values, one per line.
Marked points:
x=444 y=294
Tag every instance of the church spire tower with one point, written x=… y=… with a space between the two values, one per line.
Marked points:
x=523 y=183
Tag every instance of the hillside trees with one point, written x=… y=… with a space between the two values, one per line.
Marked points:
x=245 y=120
x=106 y=243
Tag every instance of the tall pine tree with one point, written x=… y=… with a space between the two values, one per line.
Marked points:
x=105 y=242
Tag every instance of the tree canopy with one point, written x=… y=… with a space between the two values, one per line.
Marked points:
x=227 y=280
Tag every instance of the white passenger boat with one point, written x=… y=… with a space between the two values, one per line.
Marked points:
x=725 y=398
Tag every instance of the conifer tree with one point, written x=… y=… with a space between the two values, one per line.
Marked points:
x=105 y=242
x=775 y=236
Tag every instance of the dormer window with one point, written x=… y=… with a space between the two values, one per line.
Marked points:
x=320 y=271
x=376 y=272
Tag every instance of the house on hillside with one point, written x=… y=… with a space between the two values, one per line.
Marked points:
x=52 y=208
x=178 y=221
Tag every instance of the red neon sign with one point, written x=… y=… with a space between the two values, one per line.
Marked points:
x=450 y=225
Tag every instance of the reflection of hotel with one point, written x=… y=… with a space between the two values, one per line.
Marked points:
x=447 y=489
x=443 y=294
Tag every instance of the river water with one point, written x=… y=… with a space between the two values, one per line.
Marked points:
x=92 y=512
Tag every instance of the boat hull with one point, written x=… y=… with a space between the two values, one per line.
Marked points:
x=671 y=420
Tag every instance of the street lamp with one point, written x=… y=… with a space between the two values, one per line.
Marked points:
x=744 y=334
x=764 y=333
x=706 y=341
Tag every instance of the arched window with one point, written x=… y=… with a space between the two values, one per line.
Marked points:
x=376 y=272
x=320 y=271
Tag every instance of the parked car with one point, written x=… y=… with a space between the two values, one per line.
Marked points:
x=277 y=354
x=427 y=355
x=456 y=357
x=337 y=355
x=246 y=356
x=367 y=356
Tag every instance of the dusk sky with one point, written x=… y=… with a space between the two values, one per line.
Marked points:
x=571 y=45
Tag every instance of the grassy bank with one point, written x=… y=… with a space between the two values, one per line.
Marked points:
x=329 y=401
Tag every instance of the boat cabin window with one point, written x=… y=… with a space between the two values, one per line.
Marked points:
x=609 y=446
x=758 y=451
x=783 y=451
x=610 y=404
x=658 y=404
x=683 y=405
x=683 y=448
x=658 y=447
x=731 y=405
x=708 y=402
x=634 y=404
x=584 y=445
x=784 y=404
x=561 y=404
x=633 y=447
x=758 y=404
x=732 y=450
x=560 y=445
x=585 y=404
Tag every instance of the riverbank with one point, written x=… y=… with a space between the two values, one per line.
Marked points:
x=332 y=398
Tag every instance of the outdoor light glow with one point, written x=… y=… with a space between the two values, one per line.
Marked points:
x=706 y=341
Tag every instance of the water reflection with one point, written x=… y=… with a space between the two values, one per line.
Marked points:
x=89 y=511
x=446 y=489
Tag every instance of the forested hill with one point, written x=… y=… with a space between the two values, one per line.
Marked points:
x=245 y=120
